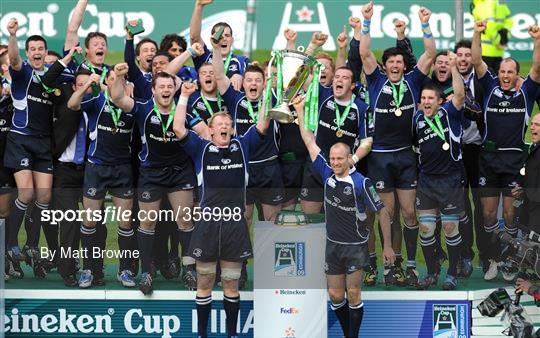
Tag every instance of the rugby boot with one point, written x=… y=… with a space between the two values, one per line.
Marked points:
x=13 y=266
x=370 y=278
x=190 y=277
x=145 y=285
x=428 y=281
x=412 y=276
x=34 y=260
x=450 y=283
x=399 y=275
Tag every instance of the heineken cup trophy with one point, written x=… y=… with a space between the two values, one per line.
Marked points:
x=292 y=70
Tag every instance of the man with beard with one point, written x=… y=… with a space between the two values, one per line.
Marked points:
x=28 y=144
x=223 y=239
x=506 y=114
x=392 y=163
x=234 y=65
x=165 y=167
x=175 y=45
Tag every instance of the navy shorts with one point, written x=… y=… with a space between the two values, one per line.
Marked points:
x=344 y=259
x=442 y=192
x=212 y=241
x=393 y=170
x=116 y=179
x=265 y=183
x=26 y=152
x=499 y=172
x=312 y=185
x=292 y=173
x=155 y=182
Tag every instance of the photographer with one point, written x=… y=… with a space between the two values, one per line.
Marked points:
x=529 y=288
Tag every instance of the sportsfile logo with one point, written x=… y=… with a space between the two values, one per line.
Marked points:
x=450 y=320
x=290 y=259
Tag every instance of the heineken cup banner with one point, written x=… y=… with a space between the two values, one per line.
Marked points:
x=50 y=18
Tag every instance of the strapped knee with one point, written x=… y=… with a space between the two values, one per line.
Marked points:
x=428 y=224
x=206 y=270
x=452 y=222
x=230 y=273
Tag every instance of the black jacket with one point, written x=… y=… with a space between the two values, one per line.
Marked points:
x=66 y=121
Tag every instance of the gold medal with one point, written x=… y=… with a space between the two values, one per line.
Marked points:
x=296 y=121
x=114 y=131
x=398 y=112
x=164 y=138
x=339 y=133
x=446 y=146
x=57 y=92
x=522 y=171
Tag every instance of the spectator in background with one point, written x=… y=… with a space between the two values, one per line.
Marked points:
x=495 y=38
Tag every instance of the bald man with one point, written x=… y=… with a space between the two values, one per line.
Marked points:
x=347 y=196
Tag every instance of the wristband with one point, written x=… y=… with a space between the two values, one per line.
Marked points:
x=428 y=35
x=191 y=52
x=311 y=48
x=366 y=22
x=425 y=25
x=355 y=159
x=182 y=101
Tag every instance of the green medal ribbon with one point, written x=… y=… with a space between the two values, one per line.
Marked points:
x=254 y=117
x=279 y=79
x=398 y=95
x=115 y=112
x=438 y=129
x=207 y=104
x=48 y=89
x=103 y=72
x=312 y=99
x=341 y=118
x=226 y=63
x=164 y=127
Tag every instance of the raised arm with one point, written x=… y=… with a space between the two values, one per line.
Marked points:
x=75 y=100
x=72 y=38
x=15 y=61
x=369 y=61
x=353 y=57
x=307 y=135
x=178 y=62
x=534 y=32
x=179 y=123
x=480 y=66
x=223 y=82
x=342 y=41
x=291 y=36
x=317 y=40
x=403 y=43
x=118 y=96
x=362 y=150
x=196 y=21
x=263 y=122
x=430 y=51
x=457 y=83
x=54 y=72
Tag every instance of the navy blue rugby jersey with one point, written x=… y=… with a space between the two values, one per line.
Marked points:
x=237 y=65
x=507 y=113
x=33 y=106
x=390 y=132
x=346 y=201
x=197 y=110
x=6 y=114
x=354 y=125
x=222 y=172
x=157 y=150
x=108 y=145
x=433 y=158
x=237 y=105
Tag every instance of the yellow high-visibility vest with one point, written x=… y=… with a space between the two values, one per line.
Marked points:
x=497 y=15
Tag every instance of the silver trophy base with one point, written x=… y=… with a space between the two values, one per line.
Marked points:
x=281 y=113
